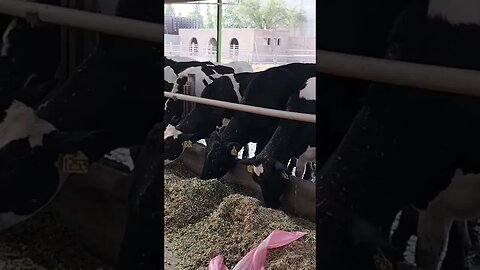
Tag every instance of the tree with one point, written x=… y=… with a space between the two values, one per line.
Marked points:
x=196 y=13
x=271 y=15
x=168 y=10
x=210 y=18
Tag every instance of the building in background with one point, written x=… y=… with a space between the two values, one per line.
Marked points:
x=247 y=44
x=173 y=23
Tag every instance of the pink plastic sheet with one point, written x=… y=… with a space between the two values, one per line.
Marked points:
x=255 y=258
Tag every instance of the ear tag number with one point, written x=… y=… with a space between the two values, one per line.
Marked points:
x=250 y=168
x=75 y=163
x=285 y=176
x=234 y=152
x=187 y=144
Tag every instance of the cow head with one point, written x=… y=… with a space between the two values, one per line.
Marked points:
x=220 y=157
x=33 y=48
x=271 y=175
x=175 y=142
x=31 y=176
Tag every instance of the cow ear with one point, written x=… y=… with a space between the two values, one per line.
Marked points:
x=250 y=162
x=234 y=147
x=186 y=139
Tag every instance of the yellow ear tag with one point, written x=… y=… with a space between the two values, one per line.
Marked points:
x=285 y=176
x=75 y=163
x=250 y=168
x=187 y=144
x=234 y=152
x=381 y=262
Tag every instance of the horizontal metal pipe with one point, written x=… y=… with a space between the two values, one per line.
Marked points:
x=85 y=20
x=304 y=117
x=444 y=79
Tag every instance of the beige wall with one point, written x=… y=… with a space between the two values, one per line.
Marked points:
x=301 y=43
x=252 y=43
x=203 y=36
x=263 y=48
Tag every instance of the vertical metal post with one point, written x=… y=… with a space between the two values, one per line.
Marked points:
x=189 y=89
x=219 y=31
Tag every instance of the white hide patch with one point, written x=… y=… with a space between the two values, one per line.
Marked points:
x=21 y=122
x=310 y=154
x=199 y=77
x=456 y=11
x=225 y=122
x=236 y=86
x=170 y=131
x=309 y=92
x=6 y=45
x=258 y=169
x=169 y=75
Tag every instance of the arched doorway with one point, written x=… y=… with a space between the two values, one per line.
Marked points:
x=234 y=48
x=212 y=46
x=193 y=46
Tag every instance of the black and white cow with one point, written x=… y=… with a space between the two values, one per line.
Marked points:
x=113 y=95
x=290 y=139
x=459 y=242
x=204 y=75
x=34 y=50
x=203 y=119
x=405 y=146
x=270 y=89
x=172 y=68
x=30 y=56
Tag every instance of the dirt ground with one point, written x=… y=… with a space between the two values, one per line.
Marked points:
x=45 y=243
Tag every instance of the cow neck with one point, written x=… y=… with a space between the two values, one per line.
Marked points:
x=234 y=132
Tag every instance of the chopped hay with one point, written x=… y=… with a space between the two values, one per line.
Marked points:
x=186 y=203
x=179 y=170
x=42 y=243
x=204 y=219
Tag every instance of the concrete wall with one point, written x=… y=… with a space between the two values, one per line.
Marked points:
x=203 y=36
x=253 y=45
x=301 y=43
x=174 y=39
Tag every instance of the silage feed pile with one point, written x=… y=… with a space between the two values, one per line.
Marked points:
x=44 y=243
x=204 y=219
